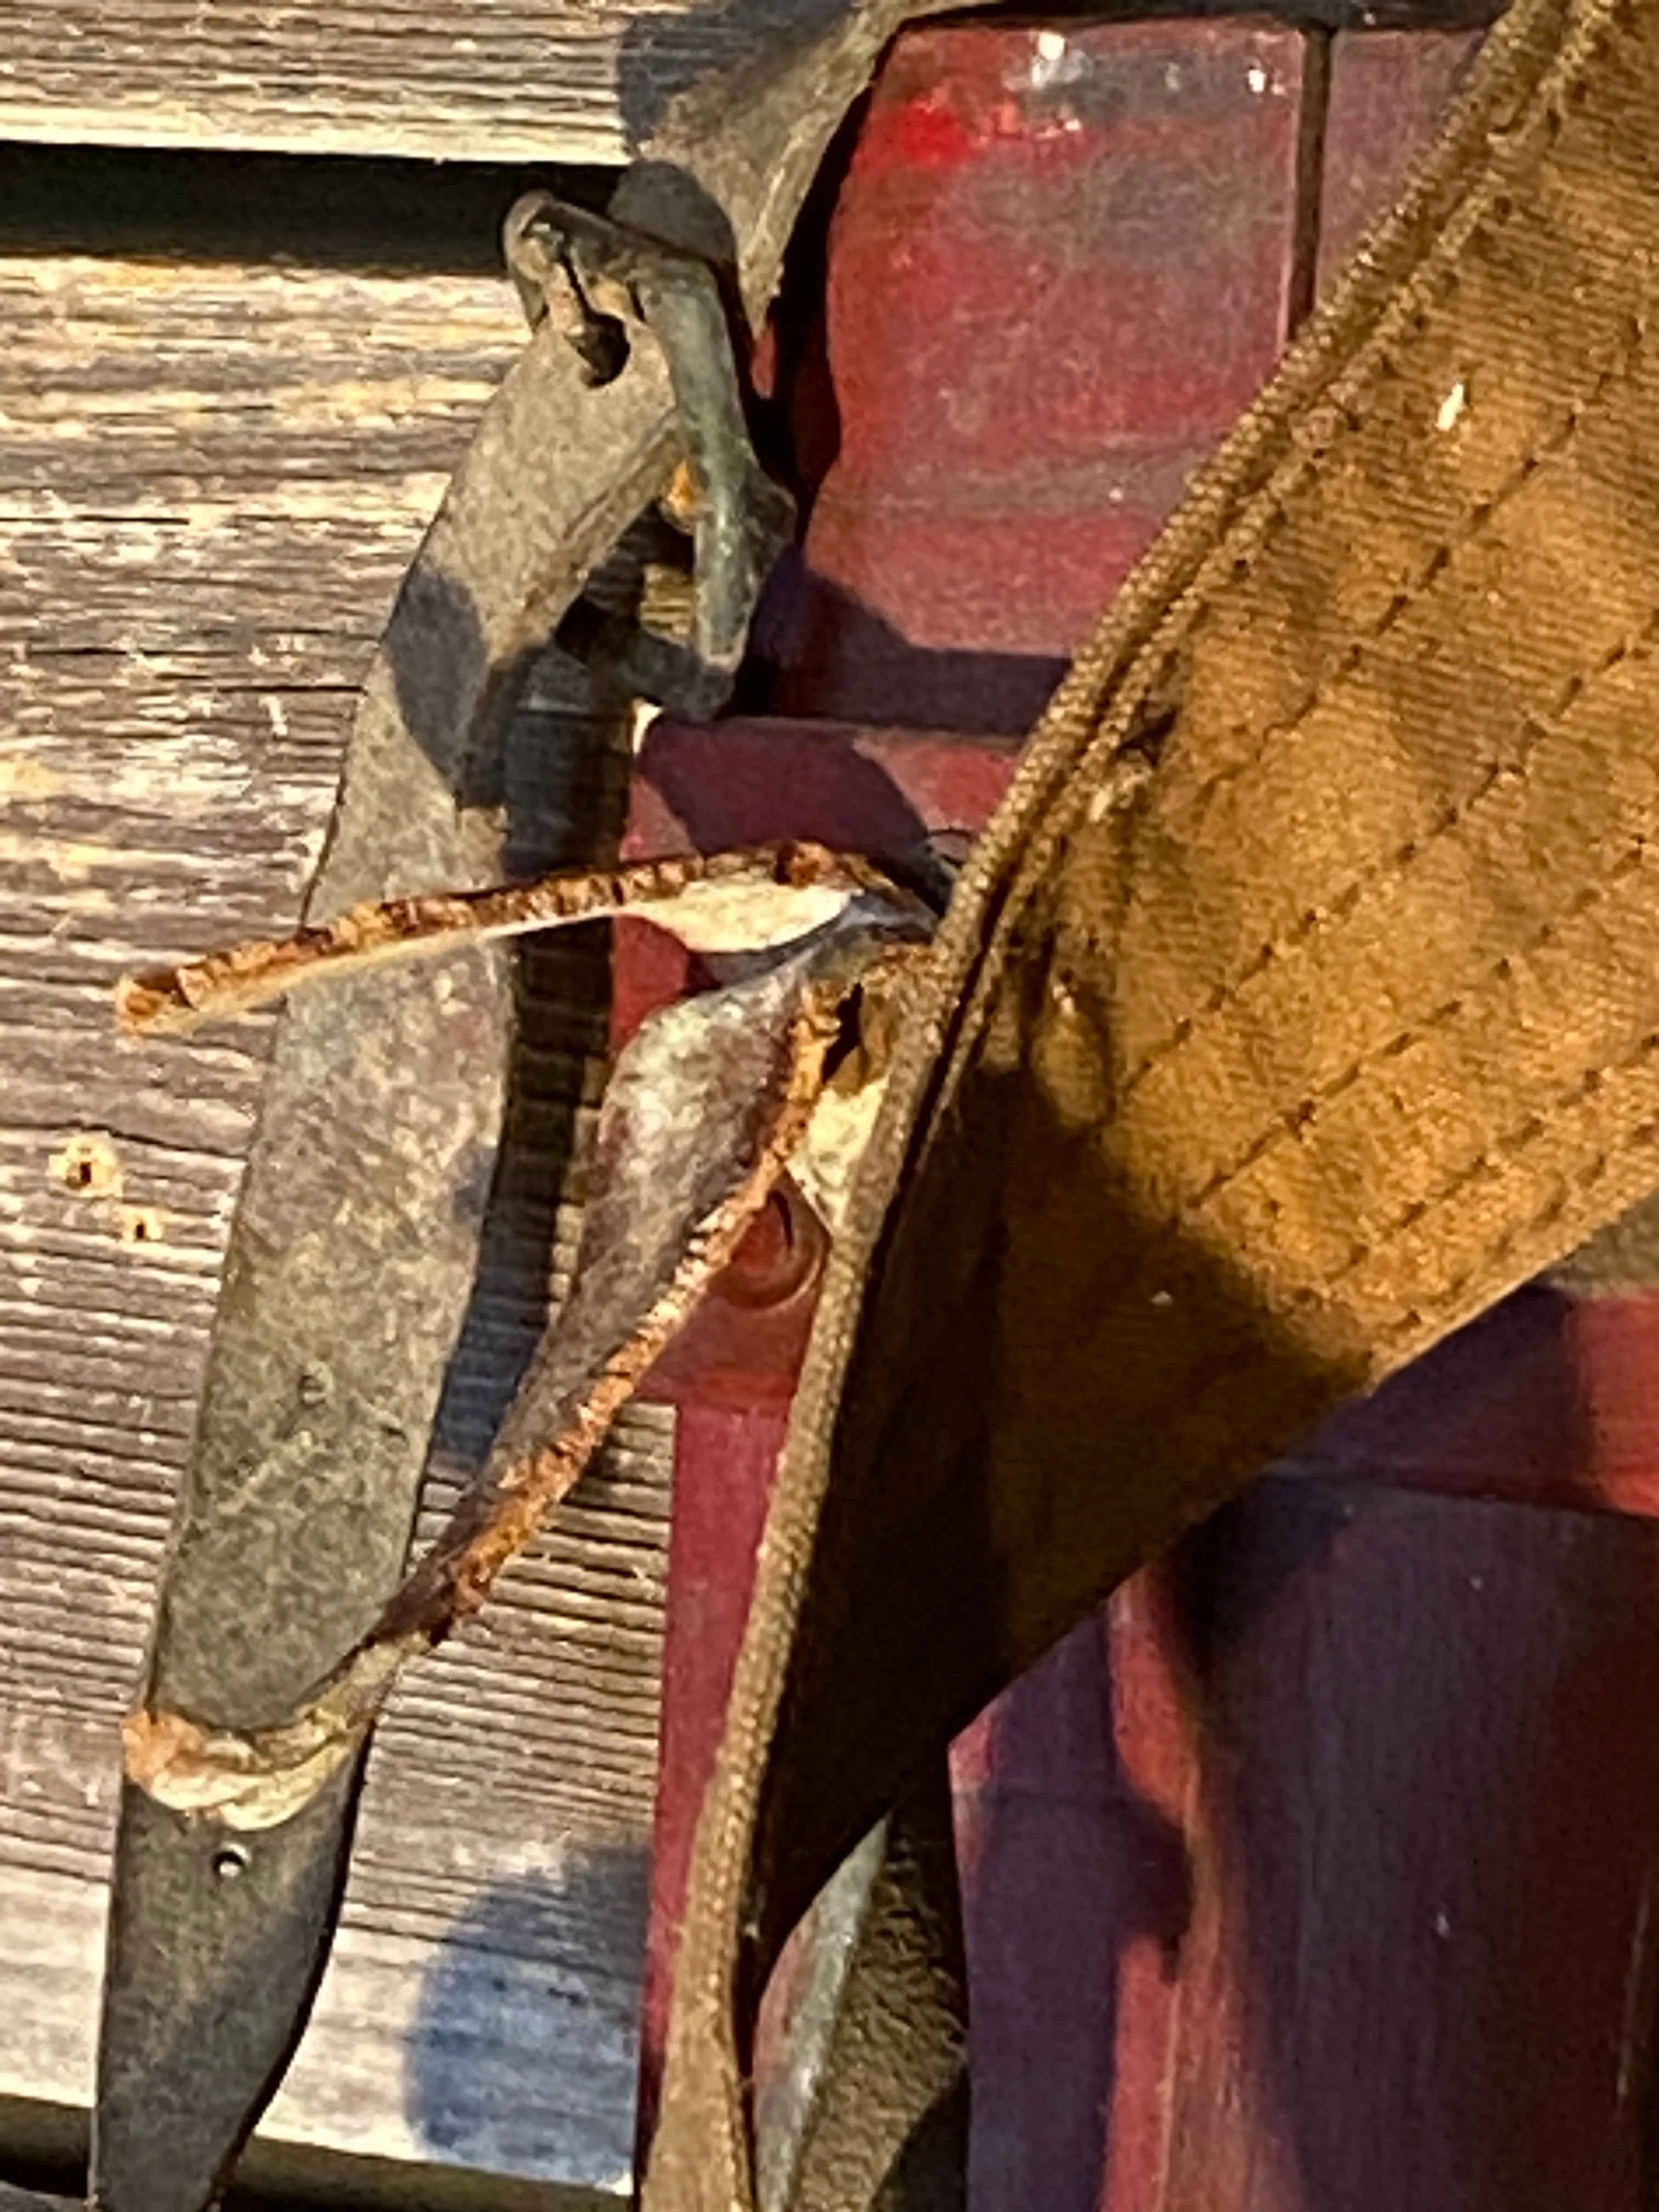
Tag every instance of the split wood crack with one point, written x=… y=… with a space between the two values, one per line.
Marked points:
x=713 y=1100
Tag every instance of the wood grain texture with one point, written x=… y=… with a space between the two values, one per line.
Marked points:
x=215 y=476
x=479 y=80
x=505 y=81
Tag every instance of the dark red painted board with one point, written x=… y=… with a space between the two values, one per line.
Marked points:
x=878 y=791
x=1549 y=1400
x=1023 y=360
x=1421 y=1965
x=1061 y=266
x=1071 y=1806
x=724 y=1466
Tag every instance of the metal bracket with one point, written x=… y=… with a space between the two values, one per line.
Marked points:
x=599 y=282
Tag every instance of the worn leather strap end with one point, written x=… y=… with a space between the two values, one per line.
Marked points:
x=221 y=1955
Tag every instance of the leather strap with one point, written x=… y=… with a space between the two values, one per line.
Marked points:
x=1301 y=1002
x=356 y=1239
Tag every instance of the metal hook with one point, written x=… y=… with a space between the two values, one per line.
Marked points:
x=596 y=278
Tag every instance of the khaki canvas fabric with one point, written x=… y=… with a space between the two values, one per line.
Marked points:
x=1302 y=1000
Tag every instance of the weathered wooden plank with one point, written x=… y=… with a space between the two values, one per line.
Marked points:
x=216 y=476
x=506 y=82
x=482 y=80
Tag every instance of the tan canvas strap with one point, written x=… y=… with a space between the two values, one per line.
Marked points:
x=1301 y=1001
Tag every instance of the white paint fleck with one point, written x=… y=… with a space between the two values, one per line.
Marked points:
x=1053 y=62
x=1453 y=407
x=1256 y=77
x=1172 y=76
x=277 y=715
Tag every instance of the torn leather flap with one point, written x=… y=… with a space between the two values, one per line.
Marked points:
x=1302 y=999
x=709 y=1103
x=703 y=1113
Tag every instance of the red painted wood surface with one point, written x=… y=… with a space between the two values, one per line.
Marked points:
x=723 y=1478
x=1548 y=1400
x=1059 y=267
x=1314 y=1875
x=1420 y=1970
